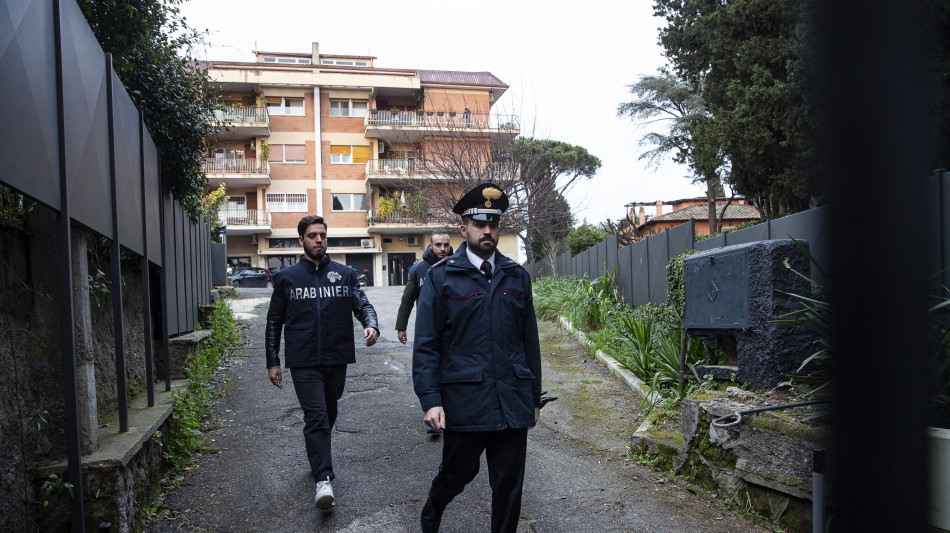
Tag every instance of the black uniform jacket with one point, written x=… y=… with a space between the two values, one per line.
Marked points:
x=417 y=275
x=476 y=351
x=312 y=306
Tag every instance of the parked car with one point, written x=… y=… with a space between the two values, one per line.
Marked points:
x=251 y=277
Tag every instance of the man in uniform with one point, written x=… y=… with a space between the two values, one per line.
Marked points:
x=311 y=303
x=476 y=363
x=438 y=249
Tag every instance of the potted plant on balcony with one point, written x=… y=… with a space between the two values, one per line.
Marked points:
x=419 y=112
x=440 y=113
x=452 y=113
x=373 y=111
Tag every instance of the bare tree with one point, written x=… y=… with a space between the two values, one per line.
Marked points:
x=461 y=150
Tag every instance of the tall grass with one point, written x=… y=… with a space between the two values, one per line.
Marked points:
x=645 y=339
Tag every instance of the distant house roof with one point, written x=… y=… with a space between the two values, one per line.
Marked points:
x=454 y=77
x=700 y=212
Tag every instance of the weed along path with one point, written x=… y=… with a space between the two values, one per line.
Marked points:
x=254 y=474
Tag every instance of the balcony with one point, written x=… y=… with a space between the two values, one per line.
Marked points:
x=395 y=171
x=403 y=220
x=236 y=172
x=413 y=126
x=243 y=123
x=246 y=222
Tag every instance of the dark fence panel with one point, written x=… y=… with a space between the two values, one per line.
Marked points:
x=87 y=123
x=128 y=168
x=180 y=281
x=812 y=226
x=153 y=198
x=659 y=255
x=30 y=138
x=170 y=265
x=640 y=255
x=944 y=230
x=611 y=253
x=759 y=232
x=708 y=244
x=625 y=273
x=681 y=238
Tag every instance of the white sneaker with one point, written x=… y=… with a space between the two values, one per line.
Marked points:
x=324 y=496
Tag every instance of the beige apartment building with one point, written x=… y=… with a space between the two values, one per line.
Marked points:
x=333 y=135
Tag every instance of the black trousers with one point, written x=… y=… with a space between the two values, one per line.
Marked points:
x=505 y=451
x=318 y=389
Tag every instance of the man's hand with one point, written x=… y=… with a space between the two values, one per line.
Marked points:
x=401 y=334
x=537 y=416
x=276 y=376
x=370 y=334
x=435 y=418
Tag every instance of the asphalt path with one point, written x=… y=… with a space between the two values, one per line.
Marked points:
x=255 y=475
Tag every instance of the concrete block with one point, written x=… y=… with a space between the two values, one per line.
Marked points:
x=180 y=351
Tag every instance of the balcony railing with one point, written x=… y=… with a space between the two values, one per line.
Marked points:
x=442 y=120
x=241 y=114
x=235 y=165
x=407 y=217
x=392 y=166
x=241 y=217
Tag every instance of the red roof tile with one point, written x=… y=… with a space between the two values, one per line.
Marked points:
x=455 y=77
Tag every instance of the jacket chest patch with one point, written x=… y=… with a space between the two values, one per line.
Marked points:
x=304 y=293
x=334 y=277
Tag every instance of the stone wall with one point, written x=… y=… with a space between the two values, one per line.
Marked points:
x=31 y=384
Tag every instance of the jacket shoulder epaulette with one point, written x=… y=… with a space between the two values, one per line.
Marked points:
x=440 y=262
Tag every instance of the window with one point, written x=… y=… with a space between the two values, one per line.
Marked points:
x=287 y=153
x=284 y=242
x=277 y=262
x=344 y=242
x=344 y=62
x=348 y=108
x=278 y=202
x=285 y=106
x=349 y=154
x=228 y=153
x=348 y=202
x=292 y=60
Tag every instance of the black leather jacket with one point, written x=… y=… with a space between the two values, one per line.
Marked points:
x=312 y=305
x=417 y=274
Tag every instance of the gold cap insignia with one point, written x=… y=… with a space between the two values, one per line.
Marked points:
x=490 y=193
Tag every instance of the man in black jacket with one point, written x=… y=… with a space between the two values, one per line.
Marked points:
x=438 y=249
x=476 y=363
x=311 y=303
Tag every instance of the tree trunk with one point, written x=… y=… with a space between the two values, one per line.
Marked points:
x=711 y=196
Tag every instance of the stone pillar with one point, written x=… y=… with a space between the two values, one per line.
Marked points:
x=85 y=352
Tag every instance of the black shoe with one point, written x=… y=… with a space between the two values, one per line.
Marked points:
x=431 y=519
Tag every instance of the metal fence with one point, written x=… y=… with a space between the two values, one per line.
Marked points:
x=641 y=267
x=74 y=141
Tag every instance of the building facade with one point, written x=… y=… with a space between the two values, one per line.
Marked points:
x=730 y=212
x=336 y=136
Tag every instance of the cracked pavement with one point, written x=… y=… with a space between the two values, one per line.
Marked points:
x=255 y=475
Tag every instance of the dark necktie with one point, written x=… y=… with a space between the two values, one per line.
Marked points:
x=486 y=269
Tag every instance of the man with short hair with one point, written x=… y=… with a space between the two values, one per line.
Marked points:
x=311 y=303
x=438 y=249
x=476 y=363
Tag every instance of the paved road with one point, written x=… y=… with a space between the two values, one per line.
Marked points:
x=577 y=478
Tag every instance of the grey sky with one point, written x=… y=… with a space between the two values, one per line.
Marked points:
x=568 y=65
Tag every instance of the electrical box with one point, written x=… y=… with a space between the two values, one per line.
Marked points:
x=717 y=289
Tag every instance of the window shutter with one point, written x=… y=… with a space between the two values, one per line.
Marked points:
x=295 y=152
x=276 y=153
x=339 y=149
x=360 y=154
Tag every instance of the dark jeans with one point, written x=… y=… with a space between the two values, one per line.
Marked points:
x=318 y=389
x=505 y=451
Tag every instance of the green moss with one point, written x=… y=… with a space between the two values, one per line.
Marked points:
x=708 y=395
x=786 y=425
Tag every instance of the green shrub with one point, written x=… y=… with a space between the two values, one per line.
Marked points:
x=193 y=404
x=676 y=281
